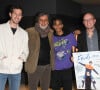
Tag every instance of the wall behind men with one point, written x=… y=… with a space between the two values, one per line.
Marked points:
x=64 y=8
x=70 y=12
x=68 y=7
x=30 y=7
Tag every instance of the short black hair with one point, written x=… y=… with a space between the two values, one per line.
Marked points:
x=88 y=13
x=55 y=19
x=12 y=7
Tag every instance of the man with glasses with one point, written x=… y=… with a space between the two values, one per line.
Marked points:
x=89 y=39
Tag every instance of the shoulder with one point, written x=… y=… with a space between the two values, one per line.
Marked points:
x=70 y=35
x=98 y=30
x=83 y=33
x=22 y=30
x=3 y=25
x=31 y=30
x=23 y=33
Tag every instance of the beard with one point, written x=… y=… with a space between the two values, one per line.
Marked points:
x=43 y=27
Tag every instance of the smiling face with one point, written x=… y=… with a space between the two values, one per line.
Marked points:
x=16 y=16
x=57 y=25
x=89 y=21
x=43 y=21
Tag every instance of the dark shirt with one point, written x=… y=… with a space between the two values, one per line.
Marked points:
x=44 y=54
x=13 y=30
x=82 y=41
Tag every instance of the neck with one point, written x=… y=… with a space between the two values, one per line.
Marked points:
x=90 y=32
x=90 y=29
x=60 y=33
x=12 y=24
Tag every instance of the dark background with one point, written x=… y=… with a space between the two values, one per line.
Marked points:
x=68 y=10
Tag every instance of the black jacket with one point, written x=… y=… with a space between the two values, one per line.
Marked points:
x=82 y=42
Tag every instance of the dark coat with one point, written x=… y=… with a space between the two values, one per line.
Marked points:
x=82 y=41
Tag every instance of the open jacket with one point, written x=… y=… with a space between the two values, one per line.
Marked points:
x=34 y=49
x=12 y=46
x=82 y=41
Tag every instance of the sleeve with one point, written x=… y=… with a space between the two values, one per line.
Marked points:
x=95 y=71
x=73 y=40
x=81 y=63
x=2 y=48
x=2 y=56
x=25 y=51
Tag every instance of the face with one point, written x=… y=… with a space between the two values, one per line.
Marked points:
x=89 y=21
x=43 y=21
x=58 y=25
x=16 y=16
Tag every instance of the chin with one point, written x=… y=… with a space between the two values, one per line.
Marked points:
x=17 y=22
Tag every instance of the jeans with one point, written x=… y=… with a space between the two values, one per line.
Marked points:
x=13 y=80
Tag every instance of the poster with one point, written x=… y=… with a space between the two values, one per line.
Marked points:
x=87 y=69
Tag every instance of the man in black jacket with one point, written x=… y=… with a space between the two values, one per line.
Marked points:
x=89 y=39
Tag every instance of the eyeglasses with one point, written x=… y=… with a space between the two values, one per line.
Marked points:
x=88 y=20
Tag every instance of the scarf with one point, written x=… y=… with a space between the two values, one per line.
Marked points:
x=43 y=32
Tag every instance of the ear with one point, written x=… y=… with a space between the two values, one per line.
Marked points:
x=94 y=20
x=62 y=25
x=10 y=14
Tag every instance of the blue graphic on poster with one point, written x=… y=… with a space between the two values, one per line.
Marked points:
x=87 y=69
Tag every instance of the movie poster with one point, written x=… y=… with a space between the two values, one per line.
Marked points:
x=87 y=69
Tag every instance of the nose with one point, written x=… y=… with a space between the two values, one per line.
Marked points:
x=88 y=23
x=43 y=23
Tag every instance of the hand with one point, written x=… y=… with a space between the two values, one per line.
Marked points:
x=72 y=59
x=4 y=57
x=20 y=58
x=77 y=32
x=76 y=50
